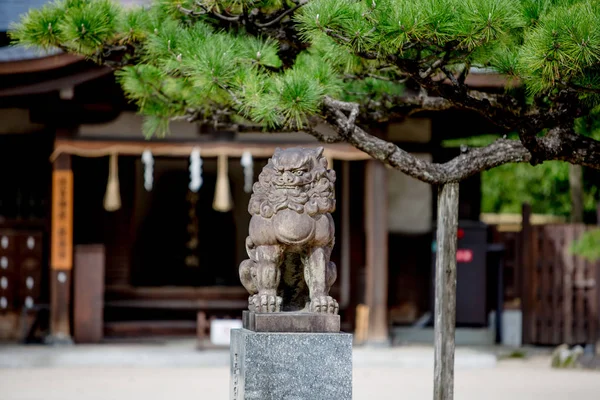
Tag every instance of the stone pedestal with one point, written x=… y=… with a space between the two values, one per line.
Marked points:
x=290 y=366
x=298 y=322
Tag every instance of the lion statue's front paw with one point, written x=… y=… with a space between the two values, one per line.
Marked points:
x=265 y=303
x=324 y=304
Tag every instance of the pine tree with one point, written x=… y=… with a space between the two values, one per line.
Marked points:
x=288 y=64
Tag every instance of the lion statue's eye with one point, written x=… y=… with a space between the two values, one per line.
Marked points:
x=298 y=172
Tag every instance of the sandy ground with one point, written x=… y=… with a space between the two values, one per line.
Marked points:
x=378 y=375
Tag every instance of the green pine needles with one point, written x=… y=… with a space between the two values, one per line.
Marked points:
x=273 y=62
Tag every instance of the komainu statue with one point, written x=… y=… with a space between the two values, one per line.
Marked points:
x=291 y=235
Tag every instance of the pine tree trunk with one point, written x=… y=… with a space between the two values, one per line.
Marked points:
x=445 y=292
x=576 y=186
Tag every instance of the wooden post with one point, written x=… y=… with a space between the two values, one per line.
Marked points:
x=376 y=230
x=88 y=293
x=445 y=292
x=345 y=236
x=61 y=251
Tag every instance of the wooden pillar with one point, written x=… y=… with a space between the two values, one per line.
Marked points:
x=88 y=293
x=345 y=237
x=61 y=250
x=376 y=231
x=445 y=292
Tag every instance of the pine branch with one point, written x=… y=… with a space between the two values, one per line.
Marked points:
x=371 y=75
x=431 y=69
x=561 y=143
x=189 y=12
x=323 y=138
x=421 y=103
x=583 y=88
x=282 y=15
x=464 y=73
x=218 y=15
x=451 y=77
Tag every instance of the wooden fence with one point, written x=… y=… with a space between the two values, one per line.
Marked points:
x=557 y=291
x=560 y=292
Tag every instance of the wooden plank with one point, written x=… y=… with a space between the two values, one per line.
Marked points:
x=580 y=312
x=61 y=251
x=555 y=259
x=569 y=267
x=445 y=292
x=376 y=242
x=545 y=305
x=591 y=301
x=534 y=286
x=88 y=309
x=179 y=304
x=53 y=85
x=39 y=64
x=136 y=329
x=524 y=256
x=126 y=292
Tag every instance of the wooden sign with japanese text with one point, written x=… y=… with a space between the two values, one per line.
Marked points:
x=61 y=252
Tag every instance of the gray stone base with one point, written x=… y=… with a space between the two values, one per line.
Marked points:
x=291 y=322
x=290 y=366
x=58 y=340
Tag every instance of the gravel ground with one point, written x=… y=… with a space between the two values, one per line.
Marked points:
x=37 y=374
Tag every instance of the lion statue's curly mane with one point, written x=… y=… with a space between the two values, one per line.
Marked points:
x=299 y=181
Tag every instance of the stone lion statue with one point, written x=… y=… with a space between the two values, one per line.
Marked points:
x=291 y=235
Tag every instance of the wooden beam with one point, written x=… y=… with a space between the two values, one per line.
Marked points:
x=179 y=304
x=445 y=292
x=97 y=148
x=126 y=292
x=56 y=84
x=39 y=64
x=61 y=251
x=376 y=230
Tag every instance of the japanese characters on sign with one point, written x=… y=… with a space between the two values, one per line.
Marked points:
x=62 y=220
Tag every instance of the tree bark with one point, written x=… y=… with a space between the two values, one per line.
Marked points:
x=445 y=292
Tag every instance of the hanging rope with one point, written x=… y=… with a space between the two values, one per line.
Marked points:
x=112 y=198
x=248 y=164
x=148 y=161
x=195 y=171
x=222 y=201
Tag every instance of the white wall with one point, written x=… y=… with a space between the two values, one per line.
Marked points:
x=409 y=199
x=409 y=203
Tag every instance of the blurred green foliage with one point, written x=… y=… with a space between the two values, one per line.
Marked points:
x=545 y=187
